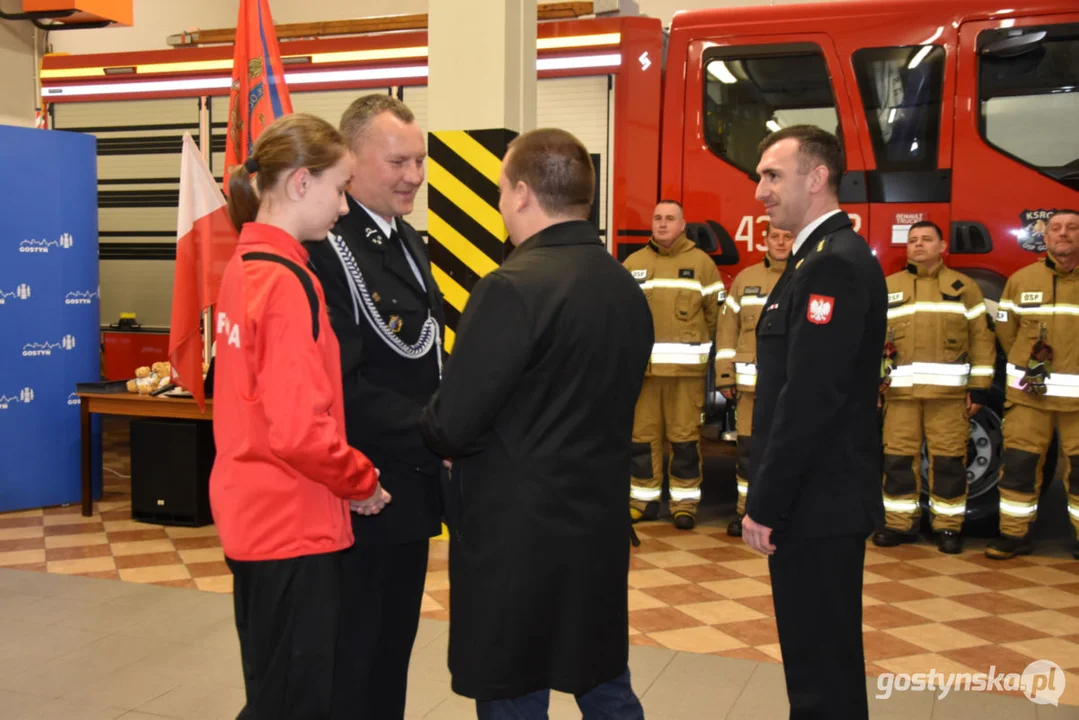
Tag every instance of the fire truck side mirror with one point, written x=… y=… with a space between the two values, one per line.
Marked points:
x=712 y=237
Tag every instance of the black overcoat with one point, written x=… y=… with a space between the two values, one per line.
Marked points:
x=536 y=410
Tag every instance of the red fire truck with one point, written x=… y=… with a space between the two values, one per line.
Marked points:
x=958 y=112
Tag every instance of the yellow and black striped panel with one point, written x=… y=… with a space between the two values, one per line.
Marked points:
x=466 y=236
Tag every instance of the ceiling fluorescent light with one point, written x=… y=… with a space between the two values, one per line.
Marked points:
x=606 y=60
x=721 y=72
x=365 y=55
x=580 y=62
x=127 y=88
x=337 y=76
x=577 y=41
x=917 y=60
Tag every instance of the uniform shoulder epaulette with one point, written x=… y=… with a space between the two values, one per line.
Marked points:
x=822 y=246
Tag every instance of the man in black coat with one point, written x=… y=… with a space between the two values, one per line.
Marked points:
x=815 y=493
x=536 y=412
x=386 y=311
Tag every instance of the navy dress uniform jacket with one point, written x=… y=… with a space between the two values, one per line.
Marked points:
x=384 y=392
x=817 y=443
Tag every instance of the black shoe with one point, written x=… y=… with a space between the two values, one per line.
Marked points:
x=950 y=542
x=684 y=521
x=891 y=538
x=735 y=528
x=651 y=512
x=1005 y=548
x=1075 y=550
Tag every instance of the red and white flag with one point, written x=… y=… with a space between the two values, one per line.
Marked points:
x=205 y=240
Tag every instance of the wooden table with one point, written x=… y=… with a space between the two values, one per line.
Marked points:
x=132 y=405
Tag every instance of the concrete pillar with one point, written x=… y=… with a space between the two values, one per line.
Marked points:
x=481 y=94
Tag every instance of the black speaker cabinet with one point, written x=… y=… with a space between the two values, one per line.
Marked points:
x=170 y=471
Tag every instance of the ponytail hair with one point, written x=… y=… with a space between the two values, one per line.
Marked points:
x=289 y=143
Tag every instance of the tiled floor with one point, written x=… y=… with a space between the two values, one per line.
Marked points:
x=75 y=648
x=110 y=544
x=695 y=592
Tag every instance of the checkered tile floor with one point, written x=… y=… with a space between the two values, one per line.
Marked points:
x=696 y=591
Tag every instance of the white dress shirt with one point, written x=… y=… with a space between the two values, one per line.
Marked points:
x=808 y=230
x=387 y=228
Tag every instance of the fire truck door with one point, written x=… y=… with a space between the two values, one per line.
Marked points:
x=737 y=92
x=901 y=90
x=1016 y=149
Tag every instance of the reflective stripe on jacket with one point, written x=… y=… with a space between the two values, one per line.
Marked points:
x=736 y=336
x=684 y=292
x=937 y=322
x=1042 y=298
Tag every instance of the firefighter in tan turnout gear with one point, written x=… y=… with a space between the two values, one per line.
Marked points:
x=939 y=356
x=1038 y=327
x=736 y=349
x=684 y=292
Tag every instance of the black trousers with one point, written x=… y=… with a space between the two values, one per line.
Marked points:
x=381 y=594
x=817 y=591
x=286 y=617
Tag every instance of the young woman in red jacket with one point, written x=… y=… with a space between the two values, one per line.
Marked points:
x=284 y=476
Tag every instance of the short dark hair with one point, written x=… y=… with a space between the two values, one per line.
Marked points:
x=815 y=145
x=358 y=115
x=677 y=204
x=557 y=168
x=927 y=224
x=1062 y=212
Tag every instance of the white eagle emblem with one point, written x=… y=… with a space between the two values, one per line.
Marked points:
x=820 y=309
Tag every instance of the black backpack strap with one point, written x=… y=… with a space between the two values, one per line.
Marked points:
x=301 y=275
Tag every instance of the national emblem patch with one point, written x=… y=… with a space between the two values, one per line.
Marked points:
x=820 y=309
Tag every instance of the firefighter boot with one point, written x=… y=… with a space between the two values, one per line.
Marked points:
x=646 y=452
x=902 y=472
x=684 y=521
x=891 y=538
x=650 y=512
x=682 y=414
x=950 y=542
x=1006 y=547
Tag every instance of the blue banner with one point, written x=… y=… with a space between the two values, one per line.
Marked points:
x=49 y=312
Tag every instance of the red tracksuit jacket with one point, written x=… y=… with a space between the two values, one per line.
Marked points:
x=284 y=472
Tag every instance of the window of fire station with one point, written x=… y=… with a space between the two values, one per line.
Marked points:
x=1029 y=97
x=747 y=98
x=901 y=90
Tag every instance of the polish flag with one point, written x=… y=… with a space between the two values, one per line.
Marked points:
x=205 y=240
